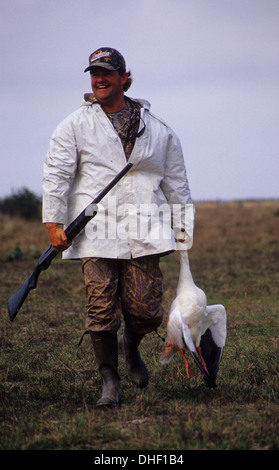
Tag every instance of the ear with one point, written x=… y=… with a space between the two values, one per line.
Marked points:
x=124 y=78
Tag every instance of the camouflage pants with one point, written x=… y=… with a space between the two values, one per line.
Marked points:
x=132 y=288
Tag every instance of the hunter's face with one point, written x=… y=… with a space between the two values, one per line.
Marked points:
x=107 y=86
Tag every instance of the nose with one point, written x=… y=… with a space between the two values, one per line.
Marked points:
x=100 y=75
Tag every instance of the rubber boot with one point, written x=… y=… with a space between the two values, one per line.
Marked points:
x=106 y=353
x=137 y=370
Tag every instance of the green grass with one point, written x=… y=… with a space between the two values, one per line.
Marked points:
x=49 y=387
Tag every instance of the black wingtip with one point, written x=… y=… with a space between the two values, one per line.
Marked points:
x=210 y=382
x=212 y=355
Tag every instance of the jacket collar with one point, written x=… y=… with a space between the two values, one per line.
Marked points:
x=89 y=99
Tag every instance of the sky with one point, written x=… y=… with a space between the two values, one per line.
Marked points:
x=209 y=68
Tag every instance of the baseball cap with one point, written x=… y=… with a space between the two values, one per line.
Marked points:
x=107 y=58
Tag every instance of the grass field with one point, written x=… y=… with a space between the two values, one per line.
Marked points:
x=49 y=387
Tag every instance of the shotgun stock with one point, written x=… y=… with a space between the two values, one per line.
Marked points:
x=17 y=299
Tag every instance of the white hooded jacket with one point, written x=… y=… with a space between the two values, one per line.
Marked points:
x=139 y=215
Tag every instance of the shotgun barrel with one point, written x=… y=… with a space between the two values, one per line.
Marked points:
x=17 y=299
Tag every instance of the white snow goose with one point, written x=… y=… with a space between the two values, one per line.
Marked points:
x=195 y=327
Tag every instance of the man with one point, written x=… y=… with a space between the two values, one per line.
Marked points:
x=120 y=249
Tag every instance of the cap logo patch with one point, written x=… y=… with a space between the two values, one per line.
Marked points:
x=100 y=55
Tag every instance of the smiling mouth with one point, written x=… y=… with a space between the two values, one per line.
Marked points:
x=102 y=87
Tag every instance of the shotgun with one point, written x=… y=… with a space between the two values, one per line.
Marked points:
x=17 y=299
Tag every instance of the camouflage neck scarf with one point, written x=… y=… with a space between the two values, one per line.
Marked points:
x=126 y=123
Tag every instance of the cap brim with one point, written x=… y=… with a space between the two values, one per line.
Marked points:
x=100 y=64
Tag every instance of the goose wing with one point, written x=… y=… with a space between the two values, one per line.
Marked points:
x=213 y=341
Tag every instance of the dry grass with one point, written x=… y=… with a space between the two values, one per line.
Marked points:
x=49 y=388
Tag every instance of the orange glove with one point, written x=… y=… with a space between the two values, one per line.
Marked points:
x=57 y=237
